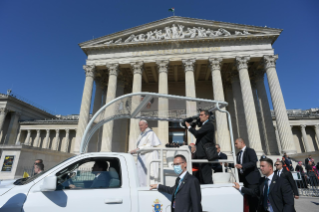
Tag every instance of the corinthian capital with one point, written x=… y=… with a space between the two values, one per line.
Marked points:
x=303 y=126
x=215 y=63
x=89 y=70
x=113 y=68
x=270 y=61
x=189 y=65
x=3 y=111
x=242 y=62
x=162 y=66
x=137 y=67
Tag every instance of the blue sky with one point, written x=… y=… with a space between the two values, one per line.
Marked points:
x=41 y=61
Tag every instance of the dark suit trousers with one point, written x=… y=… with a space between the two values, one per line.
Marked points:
x=204 y=174
x=252 y=200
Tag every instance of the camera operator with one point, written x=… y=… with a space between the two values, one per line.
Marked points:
x=203 y=136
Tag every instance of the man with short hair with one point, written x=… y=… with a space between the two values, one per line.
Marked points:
x=186 y=193
x=217 y=167
x=307 y=160
x=288 y=162
x=205 y=135
x=147 y=139
x=247 y=170
x=102 y=177
x=275 y=193
x=281 y=172
x=38 y=161
x=38 y=168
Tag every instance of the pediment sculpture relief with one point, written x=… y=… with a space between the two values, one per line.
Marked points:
x=176 y=32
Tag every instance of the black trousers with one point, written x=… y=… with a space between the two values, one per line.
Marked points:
x=252 y=200
x=204 y=173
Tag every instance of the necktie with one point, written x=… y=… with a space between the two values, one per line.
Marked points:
x=239 y=157
x=265 y=201
x=177 y=186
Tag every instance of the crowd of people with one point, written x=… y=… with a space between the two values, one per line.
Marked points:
x=275 y=191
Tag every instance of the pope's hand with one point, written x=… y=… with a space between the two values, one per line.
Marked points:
x=134 y=151
x=237 y=186
x=153 y=186
x=187 y=124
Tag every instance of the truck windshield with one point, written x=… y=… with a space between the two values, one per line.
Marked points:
x=26 y=180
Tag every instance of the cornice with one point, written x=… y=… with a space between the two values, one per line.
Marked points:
x=185 y=20
x=231 y=38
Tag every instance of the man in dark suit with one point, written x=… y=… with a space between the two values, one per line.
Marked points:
x=307 y=160
x=281 y=172
x=275 y=193
x=186 y=194
x=217 y=167
x=206 y=134
x=247 y=169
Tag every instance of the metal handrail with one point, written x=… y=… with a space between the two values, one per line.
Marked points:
x=86 y=140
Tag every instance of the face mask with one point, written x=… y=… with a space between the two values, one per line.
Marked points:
x=178 y=169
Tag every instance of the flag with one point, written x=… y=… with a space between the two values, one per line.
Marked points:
x=25 y=175
x=171 y=9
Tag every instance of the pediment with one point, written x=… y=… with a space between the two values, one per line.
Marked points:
x=179 y=29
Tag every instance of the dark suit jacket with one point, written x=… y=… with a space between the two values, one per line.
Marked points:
x=288 y=176
x=280 y=194
x=306 y=161
x=204 y=135
x=250 y=174
x=188 y=197
x=216 y=166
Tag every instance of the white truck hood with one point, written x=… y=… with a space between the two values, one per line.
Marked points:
x=6 y=185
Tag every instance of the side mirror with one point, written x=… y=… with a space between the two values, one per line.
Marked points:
x=49 y=183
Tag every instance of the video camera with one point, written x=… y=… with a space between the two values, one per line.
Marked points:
x=195 y=120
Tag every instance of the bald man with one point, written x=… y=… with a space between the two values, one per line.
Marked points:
x=247 y=169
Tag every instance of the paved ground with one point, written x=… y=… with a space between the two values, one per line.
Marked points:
x=307 y=204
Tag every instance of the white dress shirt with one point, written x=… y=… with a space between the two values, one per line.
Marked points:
x=279 y=172
x=269 y=183
x=241 y=158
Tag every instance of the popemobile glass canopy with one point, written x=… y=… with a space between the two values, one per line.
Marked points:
x=149 y=106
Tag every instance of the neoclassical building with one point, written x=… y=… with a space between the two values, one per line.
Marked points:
x=181 y=56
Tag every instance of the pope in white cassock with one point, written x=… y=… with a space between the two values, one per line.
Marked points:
x=147 y=139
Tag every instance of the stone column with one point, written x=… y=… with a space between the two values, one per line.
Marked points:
x=36 y=140
x=278 y=139
x=65 y=146
x=85 y=106
x=269 y=130
x=231 y=108
x=264 y=144
x=93 y=145
x=222 y=138
x=55 y=143
x=282 y=121
x=18 y=138
x=3 y=113
x=137 y=69
x=106 y=144
x=27 y=140
x=249 y=106
x=190 y=91
x=304 y=138
x=13 y=129
x=46 y=143
x=163 y=107
x=239 y=108
x=317 y=133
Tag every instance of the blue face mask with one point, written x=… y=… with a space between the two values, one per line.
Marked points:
x=178 y=169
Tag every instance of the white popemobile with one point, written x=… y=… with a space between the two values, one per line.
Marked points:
x=70 y=187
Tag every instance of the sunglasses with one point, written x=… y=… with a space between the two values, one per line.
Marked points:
x=277 y=164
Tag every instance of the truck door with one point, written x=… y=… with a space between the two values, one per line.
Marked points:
x=90 y=184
